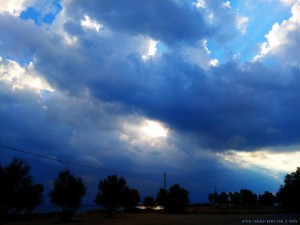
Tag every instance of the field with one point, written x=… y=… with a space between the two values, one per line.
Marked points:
x=156 y=218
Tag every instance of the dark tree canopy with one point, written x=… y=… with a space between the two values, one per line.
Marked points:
x=67 y=192
x=222 y=198
x=289 y=193
x=17 y=192
x=266 y=199
x=212 y=197
x=235 y=198
x=131 y=198
x=110 y=192
x=33 y=197
x=244 y=197
x=161 y=197
x=113 y=193
x=178 y=199
x=248 y=197
x=149 y=202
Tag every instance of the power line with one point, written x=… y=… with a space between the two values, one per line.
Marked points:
x=74 y=163
x=222 y=183
x=195 y=182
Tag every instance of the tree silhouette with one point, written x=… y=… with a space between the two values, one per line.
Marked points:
x=33 y=197
x=149 y=202
x=131 y=198
x=235 y=198
x=244 y=197
x=212 y=197
x=222 y=198
x=178 y=199
x=67 y=192
x=248 y=197
x=17 y=193
x=289 y=193
x=266 y=199
x=111 y=193
x=161 y=197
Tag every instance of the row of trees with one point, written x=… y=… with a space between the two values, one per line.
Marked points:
x=288 y=195
x=18 y=194
x=244 y=197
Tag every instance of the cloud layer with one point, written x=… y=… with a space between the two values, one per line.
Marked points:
x=85 y=85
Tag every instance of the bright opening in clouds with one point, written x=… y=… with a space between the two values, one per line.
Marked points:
x=154 y=129
x=207 y=90
x=88 y=23
x=151 y=49
x=12 y=74
x=264 y=160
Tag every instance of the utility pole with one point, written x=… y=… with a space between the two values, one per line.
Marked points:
x=165 y=181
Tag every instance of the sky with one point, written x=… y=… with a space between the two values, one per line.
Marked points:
x=206 y=91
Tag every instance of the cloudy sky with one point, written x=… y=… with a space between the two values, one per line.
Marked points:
x=206 y=91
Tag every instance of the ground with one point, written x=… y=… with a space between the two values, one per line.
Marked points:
x=97 y=218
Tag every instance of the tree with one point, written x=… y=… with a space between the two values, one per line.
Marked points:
x=266 y=199
x=131 y=198
x=67 y=192
x=161 y=197
x=111 y=193
x=33 y=197
x=222 y=198
x=212 y=197
x=149 y=202
x=178 y=199
x=244 y=197
x=248 y=197
x=15 y=187
x=235 y=198
x=289 y=193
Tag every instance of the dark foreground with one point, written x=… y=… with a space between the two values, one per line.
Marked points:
x=97 y=218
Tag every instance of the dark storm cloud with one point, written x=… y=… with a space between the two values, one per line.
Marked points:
x=166 y=21
x=234 y=105
x=102 y=80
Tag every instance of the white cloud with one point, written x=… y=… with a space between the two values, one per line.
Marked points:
x=283 y=40
x=242 y=23
x=227 y=4
x=90 y=24
x=199 y=56
x=144 y=132
x=263 y=159
x=14 y=7
x=151 y=49
x=214 y=62
x=200 y=4
x=289 y=2
x=17 y=77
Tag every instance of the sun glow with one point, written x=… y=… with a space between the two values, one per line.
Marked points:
x=154 y=129
x=151 y=51
x=264 y=159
